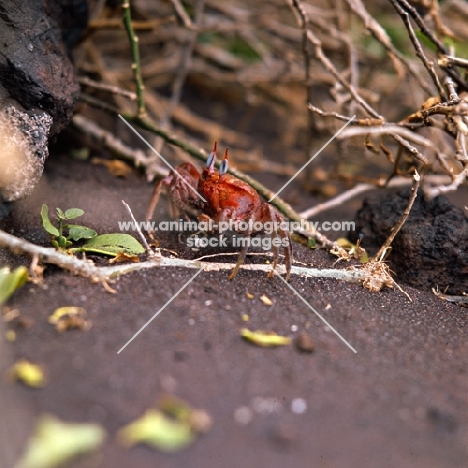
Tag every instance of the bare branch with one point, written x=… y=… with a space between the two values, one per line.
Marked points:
x=378 y=257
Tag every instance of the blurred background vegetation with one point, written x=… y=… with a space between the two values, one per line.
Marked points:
x=244 y=72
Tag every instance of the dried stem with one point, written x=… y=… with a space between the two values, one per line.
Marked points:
x=302 y=20
x=89 y=270
x=380 y=34
x=430 y=35
x=110 y=141
x=84 y=80
x=344 y=197
x=419 y=50
x=449 y=61
x=137 y=227
x=378 y=257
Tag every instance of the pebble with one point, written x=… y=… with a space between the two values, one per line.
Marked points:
x=305 y=343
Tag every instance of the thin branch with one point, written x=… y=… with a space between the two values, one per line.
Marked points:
x=112 y=143
x=419 y=50
x=182 y=14
x=89 y=270
x=149 y=251
x=136 y=66
x=328 y=65
x=378 y=257
x=84 y=80
x=98 y=104
x=457 y=181
x=302 y=19
x=453 y=96
x=380 y=34
x=388 y=129
x=344 y=118
x=344 y=197
x=430 y=35
x=450 y=61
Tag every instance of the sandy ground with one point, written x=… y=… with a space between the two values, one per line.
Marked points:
x=400 y=401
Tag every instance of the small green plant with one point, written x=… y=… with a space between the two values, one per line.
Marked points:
x=65 y=234
x=10 y=281
x=74 y=232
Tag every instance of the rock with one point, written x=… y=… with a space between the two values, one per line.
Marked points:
x=431 y=250
x=35 y=66
x=38 y=89
x=304 y=343
x=23 y=143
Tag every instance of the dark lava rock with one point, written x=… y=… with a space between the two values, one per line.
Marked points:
x=35 y=44
x=431 y=250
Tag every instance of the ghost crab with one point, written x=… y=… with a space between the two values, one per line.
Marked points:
x=229 y=202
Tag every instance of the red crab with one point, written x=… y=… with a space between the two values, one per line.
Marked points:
x=228 y=199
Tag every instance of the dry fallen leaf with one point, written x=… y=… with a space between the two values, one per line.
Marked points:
x=55 y=443
x=69 y=317
x=157 y=430
x=30 y=374
x=266 y=300
x=123 y=257
x=115 y=167
x=171 y=428
x=10 y=336
x=266 y=339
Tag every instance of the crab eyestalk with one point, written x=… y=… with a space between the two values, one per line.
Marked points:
x=223 y=167
x=209 y=166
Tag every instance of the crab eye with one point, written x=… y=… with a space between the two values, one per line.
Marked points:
x=210 y=159
x=223 y=167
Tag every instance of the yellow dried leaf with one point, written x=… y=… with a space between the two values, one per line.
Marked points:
x=69 y=311
x=123 y=257
x=158 y=431
x=55 y=443
x=344 y=243
x=245 y=318
x=10 y=336
x=69 y=317
x=198 y=419
x=30 y=374
x=114 y=166
x=266 y=300
x=265 y=339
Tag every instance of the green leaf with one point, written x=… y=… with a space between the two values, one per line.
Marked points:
x=157 y=430
x=311 y=243
x=77 y=233
x=73 y=213
x=113 y=244
x=11 y=281
x=60 y=213
x=55 y=443
x=46 y=224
